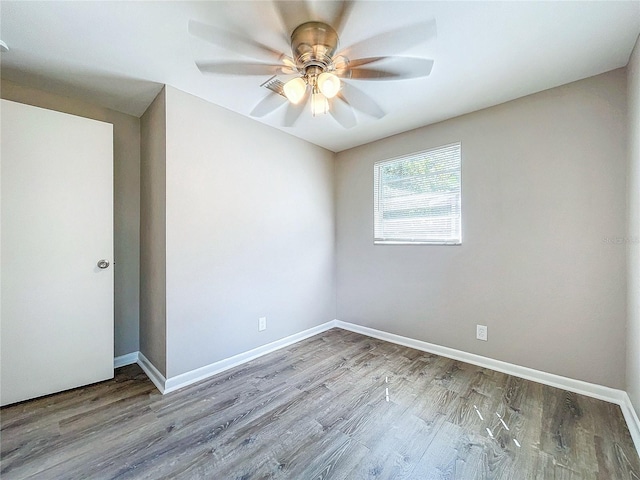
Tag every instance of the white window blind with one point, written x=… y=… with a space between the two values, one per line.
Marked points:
x=417 y=198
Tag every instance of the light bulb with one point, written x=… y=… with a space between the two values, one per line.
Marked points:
x=319 y=104
x=329 y=84
x=295 y=89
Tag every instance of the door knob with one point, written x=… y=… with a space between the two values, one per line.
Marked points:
x=103 y=264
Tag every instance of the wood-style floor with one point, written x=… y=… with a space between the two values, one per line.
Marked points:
x=319 y=409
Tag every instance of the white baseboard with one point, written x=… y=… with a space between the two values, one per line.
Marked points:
x=152 y=372
x=612 y=395
x=128 y=359
x=631 y=416
x=184 y=379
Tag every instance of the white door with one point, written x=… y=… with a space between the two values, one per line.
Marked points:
x=56 y=304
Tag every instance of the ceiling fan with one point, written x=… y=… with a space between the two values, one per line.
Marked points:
x=316 y=70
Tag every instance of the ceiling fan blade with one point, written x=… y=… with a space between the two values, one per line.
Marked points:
x=342 y=112
x=268 y=104
x=292 y=13
x=393 y=42
x=232 y=41
x=294 y=110
x=395 y=68
x=242 y=68
x=360 y=100
x=344 y=11
x=358 y=62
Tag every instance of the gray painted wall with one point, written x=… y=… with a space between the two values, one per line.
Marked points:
x=126 y=209
x=633 y=259
x=153 y=325
x=250 y=233
x=543 y=187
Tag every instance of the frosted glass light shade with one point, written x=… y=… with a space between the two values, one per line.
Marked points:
x=319 y=104
x=294 y=89
x=329 y=84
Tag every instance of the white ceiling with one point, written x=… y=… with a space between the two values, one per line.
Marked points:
x=119 y=53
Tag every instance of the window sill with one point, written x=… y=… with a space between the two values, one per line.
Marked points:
x=409 y=242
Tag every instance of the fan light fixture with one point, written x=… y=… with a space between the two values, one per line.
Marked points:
x=313 y=45
x=319 y=104
x=328 y=84
x=323 y=86
x=295 y=89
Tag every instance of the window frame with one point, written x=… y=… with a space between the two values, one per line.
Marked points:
x=376 y=198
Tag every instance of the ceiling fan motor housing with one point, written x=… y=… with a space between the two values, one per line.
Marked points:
x=313 y=45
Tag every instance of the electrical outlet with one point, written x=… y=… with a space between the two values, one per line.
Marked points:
x=262 y=324
x=481 y=332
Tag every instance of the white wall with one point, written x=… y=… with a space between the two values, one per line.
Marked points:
x=250 y=233
x=633 y=259
x=153 y=321
x=543 y=185
x=126 y=208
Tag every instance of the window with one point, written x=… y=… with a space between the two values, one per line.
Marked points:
x=417 y=198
